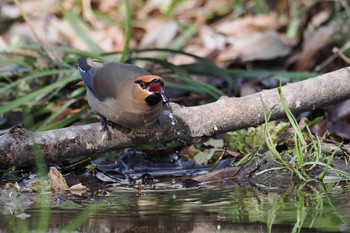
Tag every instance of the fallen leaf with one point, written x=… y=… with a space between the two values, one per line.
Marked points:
x=211 y=38
x=216 y=175
x=154 y=5
x=57 y=181
x=265 y=45
x=78 y=189
x=215 y=143
x=202 y=158
x=12 y=185
x=189 y=152
x=247 y=25
x=159 y=33
x=36 y=185
x=89 y=14
x=314 y=43
x=337 y=121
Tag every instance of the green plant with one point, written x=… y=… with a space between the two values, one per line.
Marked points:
x=305 y=155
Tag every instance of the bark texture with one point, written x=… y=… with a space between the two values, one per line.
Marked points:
x=192 y=124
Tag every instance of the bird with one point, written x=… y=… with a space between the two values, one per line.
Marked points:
x=123 y=94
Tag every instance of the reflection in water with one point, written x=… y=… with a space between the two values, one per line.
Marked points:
x=239 y=209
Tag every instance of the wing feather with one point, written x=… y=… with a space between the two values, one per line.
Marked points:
x=109 y=80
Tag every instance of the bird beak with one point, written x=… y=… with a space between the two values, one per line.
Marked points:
x=156 y=80
x=157 y=86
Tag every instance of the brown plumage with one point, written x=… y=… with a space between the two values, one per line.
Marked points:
x=123 y=93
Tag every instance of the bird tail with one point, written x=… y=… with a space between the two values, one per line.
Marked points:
x=83 y=65
x=87 y=73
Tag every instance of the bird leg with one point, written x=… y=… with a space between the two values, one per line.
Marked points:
x=104 y=125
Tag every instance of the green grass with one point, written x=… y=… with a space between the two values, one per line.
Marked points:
x=127 y=29
x=305 y=155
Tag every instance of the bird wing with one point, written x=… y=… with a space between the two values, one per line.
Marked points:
x=109 y=80
x=87 y=73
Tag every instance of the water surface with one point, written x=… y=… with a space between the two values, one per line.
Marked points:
x=304 y=208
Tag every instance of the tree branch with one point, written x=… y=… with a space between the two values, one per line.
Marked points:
x=192 y=123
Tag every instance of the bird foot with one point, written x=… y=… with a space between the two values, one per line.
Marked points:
x=104 y=125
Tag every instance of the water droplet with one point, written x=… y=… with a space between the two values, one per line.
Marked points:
x=174 y=157
x=168 y=112
x=171 y=116
x=164 y=98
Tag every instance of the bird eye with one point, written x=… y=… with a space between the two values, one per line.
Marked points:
x=143 y=85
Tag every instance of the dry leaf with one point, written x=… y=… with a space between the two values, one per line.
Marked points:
x=57 y=181
x=211 y=38
x=159 y=33
x=78 y=189
x=110 y=5
x=189 y=152
x=89 y=14
x=265 y=45
x=12 y=185
x=199 y=50
x=110 y=38
x=33 y=185
x=306 y=60
x=337 y=120
x=246 y=39
x=247 y=25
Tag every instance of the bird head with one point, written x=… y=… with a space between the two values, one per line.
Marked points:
x=151 y=88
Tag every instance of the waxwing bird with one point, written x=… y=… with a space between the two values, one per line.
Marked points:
x=123 y=94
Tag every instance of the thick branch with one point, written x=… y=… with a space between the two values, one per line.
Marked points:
x=192 y=123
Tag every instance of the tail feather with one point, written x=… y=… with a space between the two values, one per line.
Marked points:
x=83 y=65
x=87 y=73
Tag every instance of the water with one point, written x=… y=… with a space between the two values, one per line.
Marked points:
x=171 y=116
x=305 y=208
x=164 y=98
x=169 y=112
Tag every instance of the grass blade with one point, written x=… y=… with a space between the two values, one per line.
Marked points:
x=67 y=121
x=82 y=30
x=35 y=94
x=128 y=28
x=38 y=74
x=206 y=65
x=54 y=115
x=184 y=76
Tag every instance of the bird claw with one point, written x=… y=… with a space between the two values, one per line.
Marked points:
x=109 y=134
x=104 y=126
